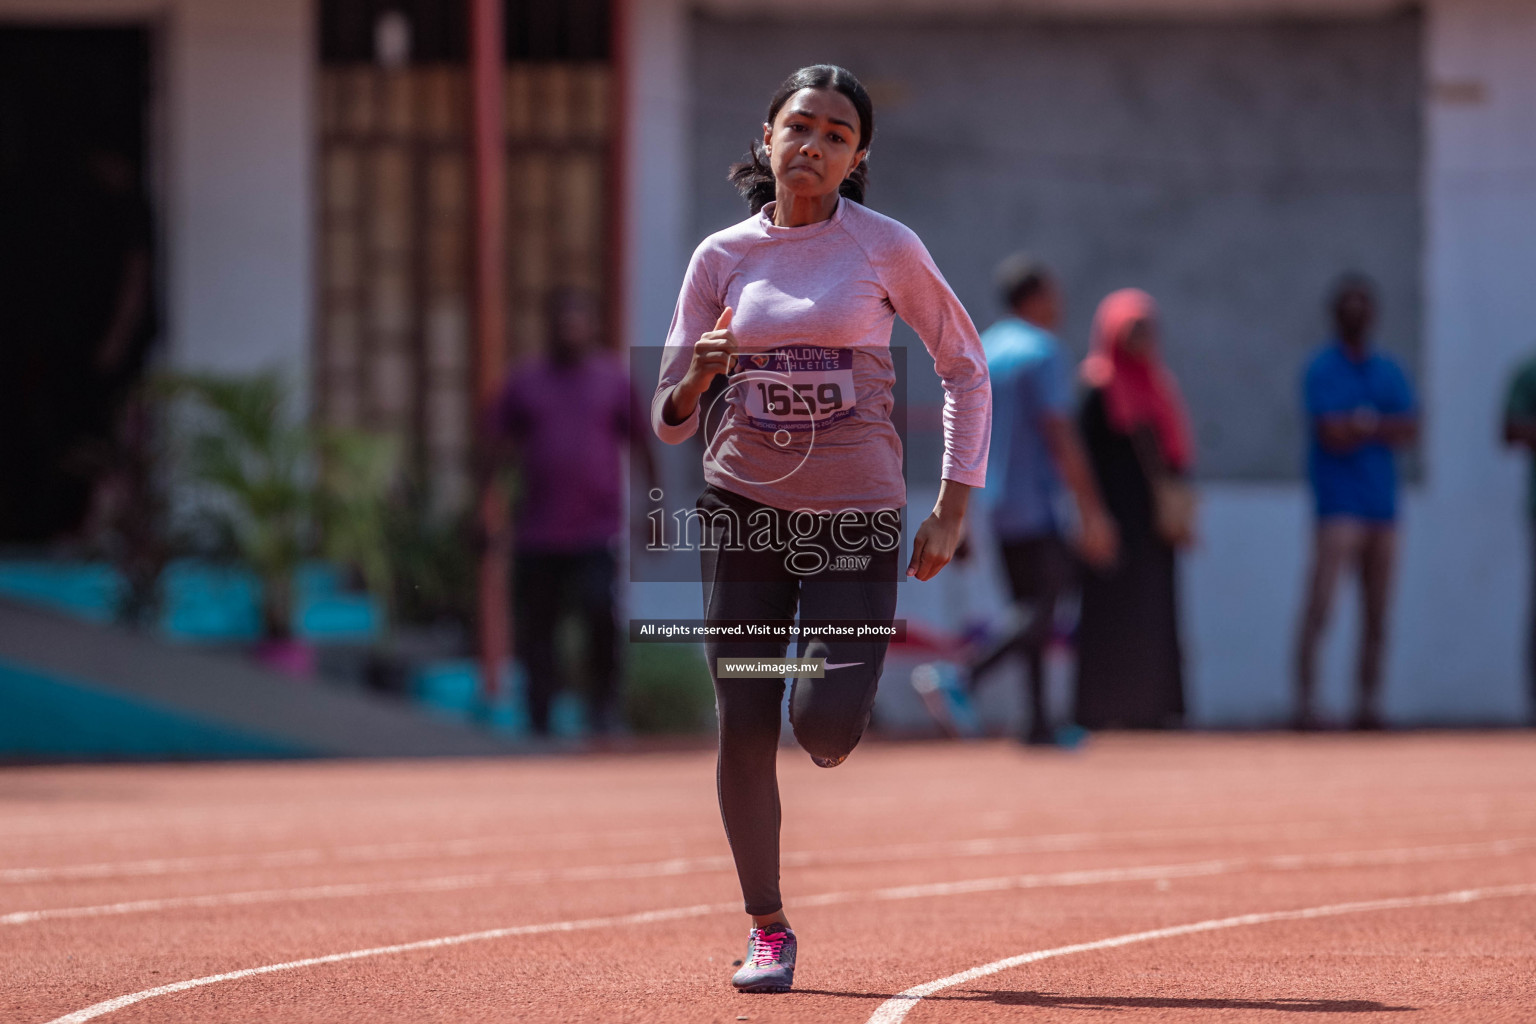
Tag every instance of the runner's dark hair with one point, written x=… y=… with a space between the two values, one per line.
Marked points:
x=753 y=177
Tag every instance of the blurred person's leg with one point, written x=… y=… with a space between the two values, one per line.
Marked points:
x=594 y=598
x=1334 y=542
x=1378 y=558
x=537 y=579
x=1020 y=566
x=1039 y=569
x=1174 y=709
x=1052 y=574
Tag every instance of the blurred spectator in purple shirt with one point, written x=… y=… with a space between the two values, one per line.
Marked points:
x=565 y=420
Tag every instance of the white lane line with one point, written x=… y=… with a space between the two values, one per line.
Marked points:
x=467 y=847
x=895 y=1009
x=699 y=865
x=242 y=819
x=903 y=1002
x=343 y=890
x=274 y=819
x=333 y=855
x=645 y=917
x=1196 y=869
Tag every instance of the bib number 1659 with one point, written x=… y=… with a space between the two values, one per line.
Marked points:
x=808 y=398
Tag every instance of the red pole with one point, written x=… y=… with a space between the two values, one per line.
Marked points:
x=488 y=229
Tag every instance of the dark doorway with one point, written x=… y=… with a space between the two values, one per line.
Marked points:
x=77 y=283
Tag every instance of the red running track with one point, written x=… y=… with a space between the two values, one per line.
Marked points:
x=1144 y=878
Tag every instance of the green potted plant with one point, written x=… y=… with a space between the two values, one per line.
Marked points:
x=250 y=470
x=353 y=512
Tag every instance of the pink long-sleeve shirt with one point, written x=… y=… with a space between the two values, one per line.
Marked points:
x=808 y=419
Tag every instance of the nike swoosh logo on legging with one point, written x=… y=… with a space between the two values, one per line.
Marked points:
x=846 y=664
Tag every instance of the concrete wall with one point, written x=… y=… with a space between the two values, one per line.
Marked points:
x=1457 y=625
x=1470 y=576
x=657 y=186
x=234 y=167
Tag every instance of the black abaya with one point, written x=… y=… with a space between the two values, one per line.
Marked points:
x=1130 y=671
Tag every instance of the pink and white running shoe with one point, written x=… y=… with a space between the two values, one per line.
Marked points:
x=770 y=962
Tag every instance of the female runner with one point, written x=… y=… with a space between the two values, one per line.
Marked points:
x=804 y=474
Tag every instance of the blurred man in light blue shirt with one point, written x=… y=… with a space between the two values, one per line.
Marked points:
x=1035 y=454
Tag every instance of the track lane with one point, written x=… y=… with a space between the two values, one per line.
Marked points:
x=899 y=1005
x=896 y=1009
x=715 y=865
x=1384 y=793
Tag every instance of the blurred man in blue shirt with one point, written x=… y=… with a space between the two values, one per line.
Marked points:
x=1035 y=450
x=1359 y=409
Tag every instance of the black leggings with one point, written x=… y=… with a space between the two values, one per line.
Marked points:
x=828 y=714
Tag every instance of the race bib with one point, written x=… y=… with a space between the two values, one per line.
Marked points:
x=796 y=387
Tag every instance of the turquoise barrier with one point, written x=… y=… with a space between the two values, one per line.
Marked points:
x=202 y=602
x=450 y=689
x=92 y=591
x=209 y=603
x=44 y=716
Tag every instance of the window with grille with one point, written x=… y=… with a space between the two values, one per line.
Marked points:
x=394 y=343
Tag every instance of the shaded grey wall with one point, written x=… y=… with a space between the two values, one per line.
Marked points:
x=1231 y=169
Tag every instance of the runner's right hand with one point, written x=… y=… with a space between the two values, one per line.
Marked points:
x=713 y=353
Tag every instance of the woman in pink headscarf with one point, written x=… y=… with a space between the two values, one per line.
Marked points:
x=1136 y=429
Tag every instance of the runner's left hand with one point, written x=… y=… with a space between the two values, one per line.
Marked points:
x=935 y=545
